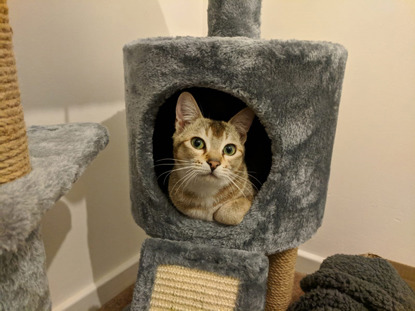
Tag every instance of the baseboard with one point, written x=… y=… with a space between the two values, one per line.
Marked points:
x=95 y=295
x=307 y=262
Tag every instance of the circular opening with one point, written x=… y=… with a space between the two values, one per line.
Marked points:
x=215 y=105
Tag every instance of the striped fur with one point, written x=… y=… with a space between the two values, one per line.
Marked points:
x=208 y=183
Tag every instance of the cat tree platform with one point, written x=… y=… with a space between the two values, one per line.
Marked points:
x=59 y=154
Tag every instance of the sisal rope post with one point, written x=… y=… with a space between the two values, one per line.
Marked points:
x=14 y=151
x=280 y=279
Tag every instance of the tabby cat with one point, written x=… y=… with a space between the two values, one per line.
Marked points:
x=209 y=179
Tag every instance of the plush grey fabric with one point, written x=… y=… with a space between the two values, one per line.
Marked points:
x=293 y=87
x=23 y=282
x=346 y=282
x=59 y=154
x=249 y=267
x=234 y=18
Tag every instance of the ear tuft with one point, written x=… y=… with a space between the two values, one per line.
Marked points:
x=242 y=122
x=187 y=111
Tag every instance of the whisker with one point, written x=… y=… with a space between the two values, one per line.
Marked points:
x=241 y=178
x=250 y=175
x=227 y=174
x=188 y=180
x=168 y=172
x=187 y=174
x=252 y=190
x=170 y=164
x=179 y=169
x=253 y=177
x=172 y=189
x=183 y=180
x=171 y=171
x=165 y=178
x=230 y=179
x=173 y=159
x=167 y=175
x=247 y=178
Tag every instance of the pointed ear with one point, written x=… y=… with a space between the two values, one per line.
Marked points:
x=242 y=122
x=187 y=111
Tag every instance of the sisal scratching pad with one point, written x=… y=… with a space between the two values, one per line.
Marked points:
x=177 y=276
x=180 y=288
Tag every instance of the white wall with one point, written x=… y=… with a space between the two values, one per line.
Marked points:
x=69 y=57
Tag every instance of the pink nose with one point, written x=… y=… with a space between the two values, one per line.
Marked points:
x=213 y=164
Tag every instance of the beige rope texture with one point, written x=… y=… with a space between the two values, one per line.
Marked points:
x=280 y=280
x=14 y=152
x=179 y=288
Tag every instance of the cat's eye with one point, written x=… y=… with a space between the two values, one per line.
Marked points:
x=229 y=149
x=197 y=143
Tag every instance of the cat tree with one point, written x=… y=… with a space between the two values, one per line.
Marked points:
x=294 y=88
x=37 y=167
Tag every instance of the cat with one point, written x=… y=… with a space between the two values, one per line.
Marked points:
x=209 y=180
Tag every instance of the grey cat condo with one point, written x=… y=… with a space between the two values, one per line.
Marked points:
x=294 y=88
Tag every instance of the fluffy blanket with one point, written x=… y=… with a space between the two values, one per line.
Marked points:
x=346 y=282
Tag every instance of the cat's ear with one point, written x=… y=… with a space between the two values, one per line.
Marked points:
x=242 y=122
x=187 y=111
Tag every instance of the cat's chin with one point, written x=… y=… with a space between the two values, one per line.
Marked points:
x=211 y=175
x=211 y=178
x=206 y=185
x=216 y=182
x=216 y=177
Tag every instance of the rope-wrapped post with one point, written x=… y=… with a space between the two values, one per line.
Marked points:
x=14 y=152
x=280 y=279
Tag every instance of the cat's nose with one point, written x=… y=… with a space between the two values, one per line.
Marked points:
x=213 y=164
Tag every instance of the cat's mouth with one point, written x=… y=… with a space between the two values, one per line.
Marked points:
x=211 y=175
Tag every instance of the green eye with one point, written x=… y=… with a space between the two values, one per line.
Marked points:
x=197 y=143
x=229 y=150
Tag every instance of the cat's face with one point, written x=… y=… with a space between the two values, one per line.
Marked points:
x=211 y=149
x=207 y=150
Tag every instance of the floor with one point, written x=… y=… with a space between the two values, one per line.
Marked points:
x=124 y=298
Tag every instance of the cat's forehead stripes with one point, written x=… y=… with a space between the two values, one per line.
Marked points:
x=217 y=133
x=217 y=127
